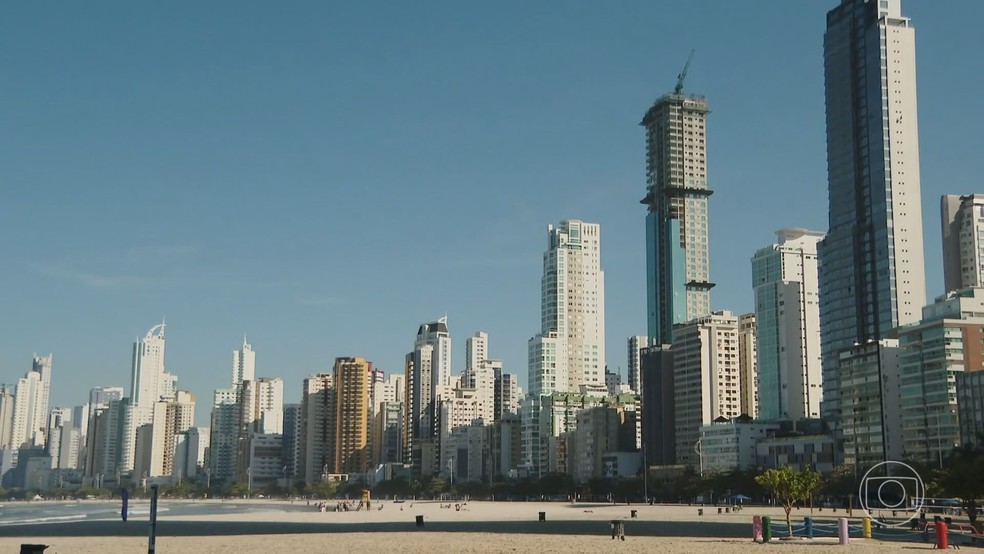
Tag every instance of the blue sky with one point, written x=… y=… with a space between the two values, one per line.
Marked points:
x=325 y=177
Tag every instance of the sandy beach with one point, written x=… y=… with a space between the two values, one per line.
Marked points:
x=512 y=527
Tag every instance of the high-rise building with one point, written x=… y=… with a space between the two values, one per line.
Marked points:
x=945 y=344
x=318 y=427
x=352 y=448
x=871 y=425
x=261 y=403
x=171 y=419
x=507 y=394
x=658 y=406
x=243 y=364
x=872 y=277
x=481 y=379
x=224 y=433
x=476 y=350
x=30 y=421
x=569 y=351
x=420 y=415
x=748 y=366
x=706 y=382
x=292 y=439
x=787 y=314
x=678 y=287
x=438 y=336
x=104 y=450
x=150 y=384
x=970 y=406
x=7 y=395
x=963 y=241
x=634 y=360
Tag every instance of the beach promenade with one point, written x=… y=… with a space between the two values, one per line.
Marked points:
x=243 y=527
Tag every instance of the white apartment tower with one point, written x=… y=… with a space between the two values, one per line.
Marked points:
x=963 y=241
x=318 y=427
x=476 y=350
x=787 y=311
x=243 y=364
x=262 y=406
x=438 y=336
x=150 y=384
x=747 y=365
x=7 y=395
x=30 y=421
x=171 y=419
x=705 y=378
x=572 y=312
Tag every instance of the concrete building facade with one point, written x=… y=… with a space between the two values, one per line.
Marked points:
x=785 y=278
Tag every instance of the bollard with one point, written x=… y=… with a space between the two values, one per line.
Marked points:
x=152 y=541
x=866 y=527
x=842 y=532
x=543 y=516
x=633 y=513
x=420 y=521
x=942 y=540
x=766 y=528
x=808 y=526
x=756 y=528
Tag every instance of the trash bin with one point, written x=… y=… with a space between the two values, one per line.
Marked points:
x=33 y=548
x=543 y=516
x=700 y=511
x=420 y=521
x=634 y=513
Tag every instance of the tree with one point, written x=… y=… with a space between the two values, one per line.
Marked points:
x=962 y=479
x=323 y=489
x=790 y=486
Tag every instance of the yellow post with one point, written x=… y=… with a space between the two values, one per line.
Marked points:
x=866 y=526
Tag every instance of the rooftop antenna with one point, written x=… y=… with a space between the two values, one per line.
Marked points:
x=683 y=75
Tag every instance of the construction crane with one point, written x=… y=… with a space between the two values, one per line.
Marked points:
x=683 y=75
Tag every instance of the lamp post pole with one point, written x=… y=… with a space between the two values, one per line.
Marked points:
x=939 y=437
x=451 y=471
x=286 y=485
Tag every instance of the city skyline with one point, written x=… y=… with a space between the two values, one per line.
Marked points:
x=99 y=299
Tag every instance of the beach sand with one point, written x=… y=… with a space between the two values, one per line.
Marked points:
x=478 y=527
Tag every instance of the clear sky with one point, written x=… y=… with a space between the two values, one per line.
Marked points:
x=324 y=177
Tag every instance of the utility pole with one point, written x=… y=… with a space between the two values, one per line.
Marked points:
x=451 y=470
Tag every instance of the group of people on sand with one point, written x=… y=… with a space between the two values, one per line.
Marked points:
x=344 y=506
x=457 y=506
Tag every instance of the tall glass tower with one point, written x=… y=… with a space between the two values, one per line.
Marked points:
x=678 y=286
x=871 y=261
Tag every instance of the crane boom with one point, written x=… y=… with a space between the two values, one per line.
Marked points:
x=683 y=75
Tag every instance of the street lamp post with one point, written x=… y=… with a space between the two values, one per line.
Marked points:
x=451 y=471
x=939 y=437
x=249 y=481
x=286 y=484
x=700 y=456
